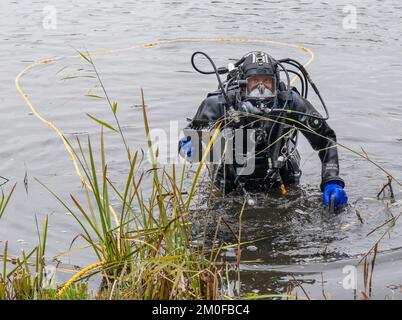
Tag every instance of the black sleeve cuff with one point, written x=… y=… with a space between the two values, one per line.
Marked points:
x=332 y=179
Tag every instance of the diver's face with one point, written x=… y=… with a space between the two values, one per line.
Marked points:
x=254 y=81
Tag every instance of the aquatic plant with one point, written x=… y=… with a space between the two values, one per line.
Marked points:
x=5 y=198
x=26 y=280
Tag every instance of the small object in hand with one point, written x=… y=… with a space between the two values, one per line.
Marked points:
x=331 y=206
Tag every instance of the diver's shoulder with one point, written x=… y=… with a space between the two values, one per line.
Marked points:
x=297 y=99
x=295 y=94
x=211 y=100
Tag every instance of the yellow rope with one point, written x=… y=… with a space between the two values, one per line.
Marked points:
x=77 y=275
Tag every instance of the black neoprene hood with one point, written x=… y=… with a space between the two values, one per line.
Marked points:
x=258 y=63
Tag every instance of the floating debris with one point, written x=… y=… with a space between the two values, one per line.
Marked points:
x=346 y=226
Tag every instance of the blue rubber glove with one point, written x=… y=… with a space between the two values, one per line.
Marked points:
x=186 y=146
x=336 y=189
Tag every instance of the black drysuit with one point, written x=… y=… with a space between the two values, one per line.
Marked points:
x=315 y=130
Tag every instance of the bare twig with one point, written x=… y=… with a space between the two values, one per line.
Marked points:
x=372 y=269
x=301 y=287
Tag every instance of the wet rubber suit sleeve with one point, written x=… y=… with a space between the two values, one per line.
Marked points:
x=208 y=113
x=321 y=138
x=210 y=110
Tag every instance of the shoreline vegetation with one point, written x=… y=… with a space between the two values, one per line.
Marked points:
x=145 y=248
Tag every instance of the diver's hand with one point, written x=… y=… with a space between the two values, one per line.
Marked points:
x=333 y=188
x=186 y=148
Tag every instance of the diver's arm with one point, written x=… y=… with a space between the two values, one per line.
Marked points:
x=322 y=139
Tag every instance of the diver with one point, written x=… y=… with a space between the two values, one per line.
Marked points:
x=254 y=97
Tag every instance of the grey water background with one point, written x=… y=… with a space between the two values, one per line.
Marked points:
x=358 y=71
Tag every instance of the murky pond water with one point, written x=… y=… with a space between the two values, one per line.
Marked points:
x=357 y=70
